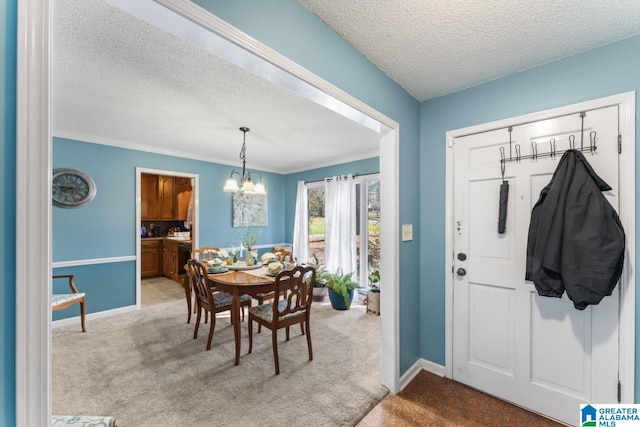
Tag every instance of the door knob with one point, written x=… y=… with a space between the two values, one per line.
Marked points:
x=461 y=272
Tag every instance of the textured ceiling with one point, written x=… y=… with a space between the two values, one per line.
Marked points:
x=119 y=80
x=436 y=47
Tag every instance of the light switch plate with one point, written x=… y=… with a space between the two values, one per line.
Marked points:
x=407 y=232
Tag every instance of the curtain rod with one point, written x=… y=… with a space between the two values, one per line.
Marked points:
x=355 y=175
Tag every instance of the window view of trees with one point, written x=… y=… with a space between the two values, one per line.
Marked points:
x=370 y=201
x=316 y=222
x=373 y=225
x=367 y=238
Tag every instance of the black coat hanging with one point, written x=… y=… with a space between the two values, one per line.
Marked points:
x=576 y=240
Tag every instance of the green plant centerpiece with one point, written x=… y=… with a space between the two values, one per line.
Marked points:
x=341 y=288
x=247 y=239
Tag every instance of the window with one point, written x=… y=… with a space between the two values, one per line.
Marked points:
x=315 y=194
x=367 y=236
x=367 y=212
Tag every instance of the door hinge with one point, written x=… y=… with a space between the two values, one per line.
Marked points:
x=619 y=143
x=619 y=391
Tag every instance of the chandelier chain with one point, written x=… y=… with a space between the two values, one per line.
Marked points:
x=243 y=153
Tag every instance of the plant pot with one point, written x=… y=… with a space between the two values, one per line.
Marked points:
x=373 y=302
x=319 y=294
x=337 y=301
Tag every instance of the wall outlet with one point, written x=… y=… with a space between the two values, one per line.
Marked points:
x=407 y=232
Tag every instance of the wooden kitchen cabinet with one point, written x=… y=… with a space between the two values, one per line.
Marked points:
x=182 y=184
x=149 y=196
x=164 y=198
x=151 y=258
x=170 y=260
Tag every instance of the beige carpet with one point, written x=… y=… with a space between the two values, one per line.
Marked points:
x=145 y=369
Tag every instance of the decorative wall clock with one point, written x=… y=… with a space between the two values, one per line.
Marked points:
x=72 y=188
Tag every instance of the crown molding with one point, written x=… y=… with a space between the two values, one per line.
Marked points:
x=118 y=143
x=343 y=159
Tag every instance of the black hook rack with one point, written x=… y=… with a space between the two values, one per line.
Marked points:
x=552 y=147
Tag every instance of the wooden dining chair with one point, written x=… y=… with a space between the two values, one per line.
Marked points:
x=297 y=284
x=201 y=254
x=207 y=299
x=204 y=253
x=283 y=255
x=62 y=301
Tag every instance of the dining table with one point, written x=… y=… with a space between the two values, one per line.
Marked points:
x=238 y=283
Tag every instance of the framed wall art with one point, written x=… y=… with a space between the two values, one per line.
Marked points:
x=250 y=210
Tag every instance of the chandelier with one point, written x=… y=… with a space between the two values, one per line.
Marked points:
x=247 y=185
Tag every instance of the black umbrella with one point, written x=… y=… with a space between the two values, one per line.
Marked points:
x=504 y=198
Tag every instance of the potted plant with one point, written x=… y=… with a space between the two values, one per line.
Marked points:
x=319 y=287
x=341 y=288
x=373 y=296
x=247 y=239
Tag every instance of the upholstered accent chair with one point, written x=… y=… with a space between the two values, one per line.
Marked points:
x=297 y=285
x=208 y=299
x=62 y=301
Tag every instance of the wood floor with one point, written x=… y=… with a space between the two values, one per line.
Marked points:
x=430 y=400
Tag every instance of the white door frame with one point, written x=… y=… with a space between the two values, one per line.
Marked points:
x=33 y=200
x=196 y=216
x=627 y=128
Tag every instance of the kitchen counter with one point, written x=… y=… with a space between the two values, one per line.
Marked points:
x=175 y=239
x=179 y=239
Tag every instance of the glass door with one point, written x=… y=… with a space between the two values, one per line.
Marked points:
x=368 y=227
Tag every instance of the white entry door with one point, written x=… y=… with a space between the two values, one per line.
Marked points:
x=537 y=352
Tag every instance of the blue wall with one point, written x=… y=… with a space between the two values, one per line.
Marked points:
x=107 y=286
x=287 y=27
x=296 y=33
x=360 y=167
x=107 y=226
x=8 y=33
x=605 y=71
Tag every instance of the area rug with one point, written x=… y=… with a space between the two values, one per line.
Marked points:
x=145 y=369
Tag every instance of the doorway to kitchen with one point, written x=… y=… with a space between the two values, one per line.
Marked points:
x=167 y=217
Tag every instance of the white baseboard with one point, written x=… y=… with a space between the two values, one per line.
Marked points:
x=415 y=369
x=99 y=314
x=434 y=368
x=406 y=378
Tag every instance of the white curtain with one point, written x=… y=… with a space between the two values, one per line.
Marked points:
x=301 y=225
x=340 y=224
